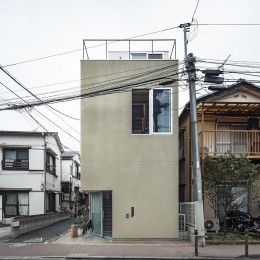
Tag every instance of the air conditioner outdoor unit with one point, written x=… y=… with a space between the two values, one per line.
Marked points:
x=211 y=224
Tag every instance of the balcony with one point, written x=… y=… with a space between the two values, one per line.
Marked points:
x=218 y=142
x=8 y=164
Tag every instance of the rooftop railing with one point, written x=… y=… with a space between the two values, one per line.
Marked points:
x=104 y=46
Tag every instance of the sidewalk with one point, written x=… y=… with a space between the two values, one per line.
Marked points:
x=91 y=247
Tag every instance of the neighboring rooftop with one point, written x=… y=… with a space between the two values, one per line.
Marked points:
x=210 y=107
x=69 y=154
x=28 y=133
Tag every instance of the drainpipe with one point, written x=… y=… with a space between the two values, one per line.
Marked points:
x=44 y=167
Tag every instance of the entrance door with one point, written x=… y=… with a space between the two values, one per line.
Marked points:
x=97 y=213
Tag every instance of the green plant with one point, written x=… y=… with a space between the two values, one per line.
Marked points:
x=230 y=238
x=80 y=222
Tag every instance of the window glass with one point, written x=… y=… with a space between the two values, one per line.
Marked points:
x=22 y=155
x=50 y=164
x=17 y=203
x=155 y=56
x=140 y=111
x=10 y=155
x=23 y=200
x=139 y=56
x=15 y=159
x=151 y=111
x=162 y=110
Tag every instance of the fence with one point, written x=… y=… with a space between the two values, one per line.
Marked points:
x=186 y=220
x=230 y=245
x=24 y=224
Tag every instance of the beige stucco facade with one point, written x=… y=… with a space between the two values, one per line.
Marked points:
x=140 y=170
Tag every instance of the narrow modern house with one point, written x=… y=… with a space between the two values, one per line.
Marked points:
x=30 y=173
x=70 y=182
x=228 y=122
x=129 y=142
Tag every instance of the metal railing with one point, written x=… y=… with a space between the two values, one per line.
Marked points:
x=106 y=43
x=219 y=142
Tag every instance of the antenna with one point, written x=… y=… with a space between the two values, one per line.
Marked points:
x=222 y=65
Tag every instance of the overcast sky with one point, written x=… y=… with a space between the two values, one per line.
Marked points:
x=33 y=29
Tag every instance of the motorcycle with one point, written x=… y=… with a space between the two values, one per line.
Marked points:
x=232 y=219
x=242 y=222
x=248 y=223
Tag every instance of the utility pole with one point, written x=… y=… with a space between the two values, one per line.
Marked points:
x=190 y=66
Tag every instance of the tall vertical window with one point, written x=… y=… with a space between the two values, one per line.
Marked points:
x=50 y=163
x=151 y=111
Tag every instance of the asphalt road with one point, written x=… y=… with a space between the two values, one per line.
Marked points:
x=44 y=234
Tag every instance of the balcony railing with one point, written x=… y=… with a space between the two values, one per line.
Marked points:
x=219 y=142
x=8 y=164
x=50 y=168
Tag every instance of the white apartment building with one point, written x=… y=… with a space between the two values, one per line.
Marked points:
x=30 y=174
x=70 y=182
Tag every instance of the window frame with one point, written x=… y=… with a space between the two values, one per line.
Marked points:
x=50 y=168
x=151 y=113
x=16 y=205
x=147 y=55
x=15 y=164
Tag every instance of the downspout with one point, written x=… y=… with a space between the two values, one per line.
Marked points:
x=44 y=167
x=60 y=194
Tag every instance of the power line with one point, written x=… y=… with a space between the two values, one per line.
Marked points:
x=104 y=90
x=20 y=84
x=230 y=24
x=25 y=109
x=94 y=46
x=156 y=70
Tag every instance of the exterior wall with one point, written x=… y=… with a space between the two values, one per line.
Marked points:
x=69 y=175
x=34 y=206
x=242 y=95
x=141 y=170
x=53 y=181
x=27 y=179
x=66 y=170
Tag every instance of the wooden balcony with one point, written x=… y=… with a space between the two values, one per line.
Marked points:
x=8 y=164
x=218 y=142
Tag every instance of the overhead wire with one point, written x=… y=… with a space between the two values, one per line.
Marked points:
x=20 y=84
x=94 y=46
x=97 y=80
x=116 y=88
x=105 y=84
x=24 y=108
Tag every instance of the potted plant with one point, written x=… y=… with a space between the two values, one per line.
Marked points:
x=80 y=224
